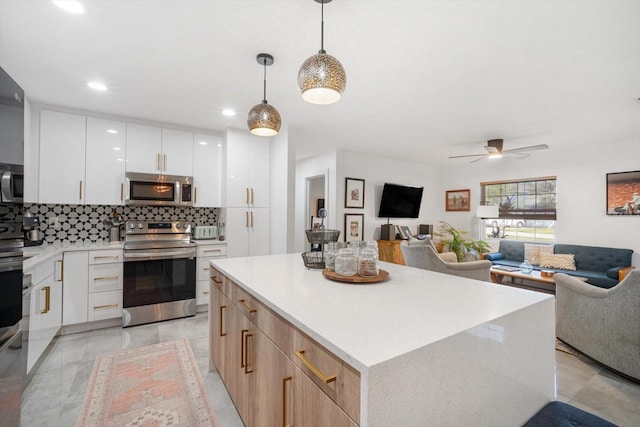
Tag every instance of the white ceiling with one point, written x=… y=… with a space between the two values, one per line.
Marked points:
x=425 y=79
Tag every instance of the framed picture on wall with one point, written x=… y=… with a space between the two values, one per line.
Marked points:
x=354 y=193
x=353 y=227
x=623 y=193
x=458 y=200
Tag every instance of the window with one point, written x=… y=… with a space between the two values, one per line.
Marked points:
x=527 y=209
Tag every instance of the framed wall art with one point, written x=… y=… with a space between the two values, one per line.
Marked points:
x=354 y=193
x=353 y=227
x=458 y=200
x=623 y=193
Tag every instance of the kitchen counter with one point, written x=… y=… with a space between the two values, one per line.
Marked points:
x=428 y=346
x=37 y=254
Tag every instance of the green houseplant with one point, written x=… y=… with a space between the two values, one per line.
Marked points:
x=455 y=241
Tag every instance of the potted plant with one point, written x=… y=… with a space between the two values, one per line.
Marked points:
x=455 y=241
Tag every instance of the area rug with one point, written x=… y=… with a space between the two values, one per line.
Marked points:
x=156 y=385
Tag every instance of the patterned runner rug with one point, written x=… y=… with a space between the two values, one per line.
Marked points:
x=156 y=385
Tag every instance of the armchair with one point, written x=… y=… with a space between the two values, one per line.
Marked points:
x=426 y=257
x=602 y=323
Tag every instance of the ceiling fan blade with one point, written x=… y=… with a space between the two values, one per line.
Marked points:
x=529 y=148
x=468 y=155
x=518 y=156
x=477 y=160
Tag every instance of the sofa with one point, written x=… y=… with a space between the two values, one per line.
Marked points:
x=602 y=267
x=426 y=257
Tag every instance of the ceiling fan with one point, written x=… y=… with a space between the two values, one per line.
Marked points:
x=494 y=150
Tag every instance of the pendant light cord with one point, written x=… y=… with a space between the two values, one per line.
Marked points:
x=264 y=89
x=322 y=28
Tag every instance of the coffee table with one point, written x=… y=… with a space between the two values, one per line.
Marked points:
x=497 y=275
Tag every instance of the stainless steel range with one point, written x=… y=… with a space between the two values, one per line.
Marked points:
x=159 y=272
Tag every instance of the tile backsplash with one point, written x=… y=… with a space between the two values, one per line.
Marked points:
x=85 y=224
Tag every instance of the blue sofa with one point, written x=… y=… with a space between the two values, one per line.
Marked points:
x=603 y=267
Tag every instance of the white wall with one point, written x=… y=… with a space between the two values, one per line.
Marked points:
x=378 y=170
x=581 y=192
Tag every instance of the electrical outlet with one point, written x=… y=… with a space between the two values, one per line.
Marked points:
x=54 y=222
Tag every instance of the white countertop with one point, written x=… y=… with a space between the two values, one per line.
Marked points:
x=367 y=324
x=38 y=254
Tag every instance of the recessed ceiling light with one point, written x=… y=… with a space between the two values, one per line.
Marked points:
x=112 y=131
x=97 y=86
x=71 y=6
x=204 y=143
x=219 y=145
x=116 y=148
x=228 y=112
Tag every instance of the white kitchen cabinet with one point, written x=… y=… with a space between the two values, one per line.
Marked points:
x=246 y=170
x=75 y=289
x=151 y=149
x=247 y=232
x=45 y=314
x=62 y=158
x=177 y=152
x=207 y=170
x=105 y=165
x=204 y=254
x=106 y=277
x=144 y=147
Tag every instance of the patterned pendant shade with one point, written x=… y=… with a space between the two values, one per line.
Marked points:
x=264 y=119
x=321 y=77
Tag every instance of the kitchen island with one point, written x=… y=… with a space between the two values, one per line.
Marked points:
x=421 y=348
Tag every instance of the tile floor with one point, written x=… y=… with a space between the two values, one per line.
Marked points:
x=54 y=396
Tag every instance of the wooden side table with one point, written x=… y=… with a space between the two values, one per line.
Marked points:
x=389 y=251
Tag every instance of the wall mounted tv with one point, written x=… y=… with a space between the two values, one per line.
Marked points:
x=400 y=201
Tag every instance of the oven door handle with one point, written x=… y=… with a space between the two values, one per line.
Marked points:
x=6 y=184
x=161 y=254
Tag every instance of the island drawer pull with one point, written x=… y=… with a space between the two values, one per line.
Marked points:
x=242 y=342
x=246 y=307
x=222 y=307
x=284 y=401
x=216 y=280
x=98 y=307
x=247 y=358
x=317 y=372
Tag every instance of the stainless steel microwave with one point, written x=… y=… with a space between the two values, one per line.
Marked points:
x=11 y=183
x=158 y=190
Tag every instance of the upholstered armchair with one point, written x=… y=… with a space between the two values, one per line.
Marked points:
x=427 y=258
x=602 y=323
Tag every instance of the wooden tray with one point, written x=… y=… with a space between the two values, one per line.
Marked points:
x=332 y=275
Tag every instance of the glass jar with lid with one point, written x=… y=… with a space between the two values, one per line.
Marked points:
x=368 y=262
x=526 y=267
x=346 y=263
x=330 y=256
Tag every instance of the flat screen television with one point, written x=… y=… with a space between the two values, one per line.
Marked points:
x=400 y=201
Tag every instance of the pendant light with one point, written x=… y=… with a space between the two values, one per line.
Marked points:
x=321 y=77
x=264 y=119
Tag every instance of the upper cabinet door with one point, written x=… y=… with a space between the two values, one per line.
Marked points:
x=237 y=193
x=62 y=158
x=177 y=152
x=106 y=150
x=207 y=170
x=259 y=167
x=144 y=149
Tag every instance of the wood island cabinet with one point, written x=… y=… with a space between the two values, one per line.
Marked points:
x=389 y=251
x=275 y=374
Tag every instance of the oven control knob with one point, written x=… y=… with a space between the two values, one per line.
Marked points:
x=140 y=226
x=132 y=226
x=180 y=225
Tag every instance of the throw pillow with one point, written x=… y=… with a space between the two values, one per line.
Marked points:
x=533 y=252
x=559 y=261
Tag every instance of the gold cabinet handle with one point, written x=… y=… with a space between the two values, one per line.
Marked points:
x=47 y=300
x=61 y=270
x=98 y=307
x=164 y=162
x=106 y=278
x=246 y=219
x=222 y=307
x=158 y=161
x=246 y=307
x=252 y=196
x=247 y=358
x=317 y=372
x=242 y=342
x=251 y=219
x=205 y=268
x=211 y=250
x=216 y=280
x=284 y=401
x=106 y=257
x=80 y=189
x=121 y=192
x=195 y=195
x=246 y=193
x=205 y=292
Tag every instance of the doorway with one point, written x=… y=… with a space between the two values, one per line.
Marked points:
x=315 y=200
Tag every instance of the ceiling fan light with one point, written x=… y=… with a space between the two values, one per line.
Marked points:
x=264 y=120
x=495 y=155
x=322 y=79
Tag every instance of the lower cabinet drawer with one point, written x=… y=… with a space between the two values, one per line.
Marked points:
x=202 y=292
x=105 y=277
x=105 y=305
x=202 y=267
